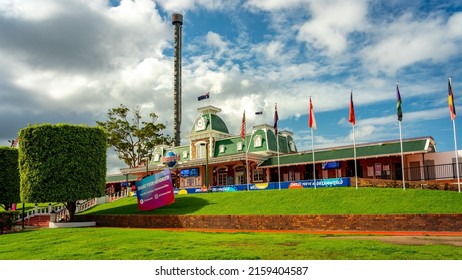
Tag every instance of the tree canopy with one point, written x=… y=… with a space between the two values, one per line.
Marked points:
x=62 y=163
x=9 y=177
x=132 y=138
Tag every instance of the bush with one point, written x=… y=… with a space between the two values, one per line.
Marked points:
x=62 y=163
x=9 y=177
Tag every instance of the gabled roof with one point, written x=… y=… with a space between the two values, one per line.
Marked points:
x=389 y=148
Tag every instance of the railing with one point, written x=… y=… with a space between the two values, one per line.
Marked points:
x=62 y=214
x=117 y=196
x=433 y=172
x=39 y=211
x=84 y=205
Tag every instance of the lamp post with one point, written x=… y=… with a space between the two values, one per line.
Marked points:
x=206 y=165
x=148 y=159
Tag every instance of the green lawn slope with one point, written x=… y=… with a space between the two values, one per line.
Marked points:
x=300 y=201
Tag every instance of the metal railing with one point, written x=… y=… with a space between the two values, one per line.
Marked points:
x=433 y=172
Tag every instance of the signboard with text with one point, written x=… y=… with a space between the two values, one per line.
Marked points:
x=155 y=191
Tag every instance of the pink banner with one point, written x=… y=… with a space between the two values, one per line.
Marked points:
x=155 y=191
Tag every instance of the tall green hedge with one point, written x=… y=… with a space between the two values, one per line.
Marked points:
x=62 y=163
x=9 y=177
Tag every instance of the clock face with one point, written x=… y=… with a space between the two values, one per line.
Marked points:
x=200 y=124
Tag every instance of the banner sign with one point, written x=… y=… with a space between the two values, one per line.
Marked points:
x=320 y=183
x=155 y=191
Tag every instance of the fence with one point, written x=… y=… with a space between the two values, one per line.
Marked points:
x=433 y=172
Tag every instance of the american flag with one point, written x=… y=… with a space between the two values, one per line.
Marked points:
x=243 y=127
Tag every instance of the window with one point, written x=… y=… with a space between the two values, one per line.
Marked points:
x=222 y=174
x=200 y=150
x=240 y=176
x=222 y=149
x=257 y=142
x=292 y=146
x=239 y=146
x=156 y=157
x=185 y=154
x=258 y=175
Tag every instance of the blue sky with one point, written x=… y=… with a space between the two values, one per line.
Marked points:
x=71 y=61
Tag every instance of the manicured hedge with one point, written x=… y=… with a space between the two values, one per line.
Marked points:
x=62 y=163
x=9 y=176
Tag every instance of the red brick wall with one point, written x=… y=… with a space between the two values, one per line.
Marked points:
x=391 y=222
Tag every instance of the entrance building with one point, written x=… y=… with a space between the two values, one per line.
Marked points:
x=215 y=157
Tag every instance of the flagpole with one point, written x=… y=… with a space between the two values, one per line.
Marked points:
x=314 y=161
x=402 y=156
x=456 y=153
x=351 y=119
x=279 y=167
x=399 y=112
x=354 y=155
x=247 y=165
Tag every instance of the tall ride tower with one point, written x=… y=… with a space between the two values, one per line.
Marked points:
x=177 y=21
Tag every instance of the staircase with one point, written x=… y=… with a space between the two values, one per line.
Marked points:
x=37 y=221
x=40 y=217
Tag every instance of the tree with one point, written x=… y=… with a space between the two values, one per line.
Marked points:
x=9 y=177
x=133 y=139
x=62 y=163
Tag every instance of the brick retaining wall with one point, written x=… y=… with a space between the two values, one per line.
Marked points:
x=388 y=222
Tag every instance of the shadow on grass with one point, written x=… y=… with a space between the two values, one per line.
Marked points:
x=183 y=205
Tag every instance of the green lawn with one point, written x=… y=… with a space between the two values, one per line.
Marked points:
x=148 y=244
x=301 y=201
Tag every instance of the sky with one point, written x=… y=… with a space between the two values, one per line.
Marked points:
x=71 y=61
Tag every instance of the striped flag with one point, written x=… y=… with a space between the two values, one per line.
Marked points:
x=276 y=118
x=243 y=127
x=452 y=106
x=351 y=117
x=312 y=120
x=399 y=112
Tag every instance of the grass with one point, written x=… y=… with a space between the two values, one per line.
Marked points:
x=148 y=244
x=301 y=201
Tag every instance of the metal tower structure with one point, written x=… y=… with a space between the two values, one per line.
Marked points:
x=177 y=21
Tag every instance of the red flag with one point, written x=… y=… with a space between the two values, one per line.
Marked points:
x=351 y=117
x=276 y=118
x=312 y=120
x=452 y=106
x=243 y=127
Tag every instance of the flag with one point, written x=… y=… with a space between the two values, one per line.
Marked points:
x=312 y=120
x=259 y=113
x=204 y=96
x=243 y=127
x=351 y=117
x=398 y=104
x=276 y=118
x=452 y=107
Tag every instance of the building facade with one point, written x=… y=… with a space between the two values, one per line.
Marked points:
x=214 y=157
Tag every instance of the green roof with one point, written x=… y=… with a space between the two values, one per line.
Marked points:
x=120 y=178
x=216 y=123
x=417 y=145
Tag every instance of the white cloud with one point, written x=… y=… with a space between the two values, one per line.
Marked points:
x=274 y=5
x=407 y=41
x=331 y=23
x=30 y=10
